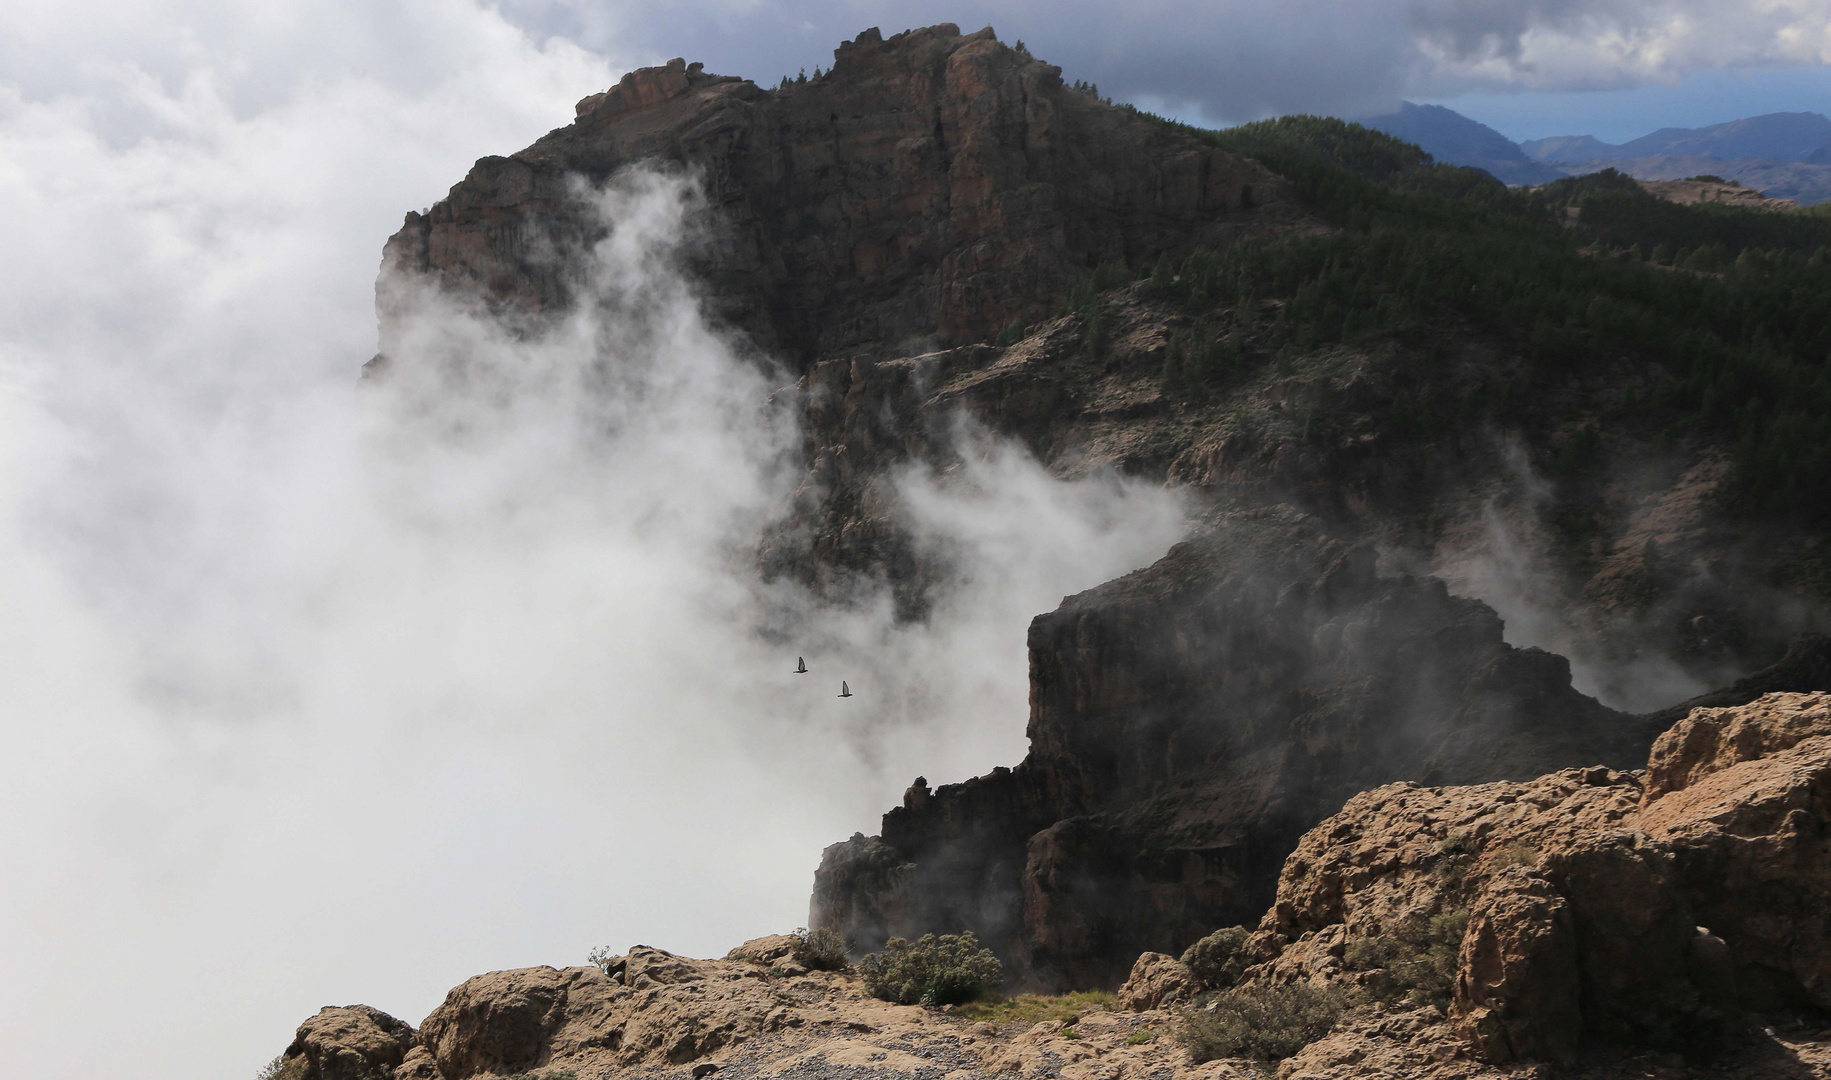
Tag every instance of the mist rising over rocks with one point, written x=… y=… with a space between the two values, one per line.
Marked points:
x=938 y=278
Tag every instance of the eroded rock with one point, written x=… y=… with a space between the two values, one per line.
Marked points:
x=1598 y=914
x=1156 y=981
x=354 y=1042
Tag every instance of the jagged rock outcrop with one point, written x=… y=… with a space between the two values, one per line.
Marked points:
x=352 y=1042
x=1157 y=981
x=1604 y=908
x=754 y=1014
x=1188 y=724
x=932 y=186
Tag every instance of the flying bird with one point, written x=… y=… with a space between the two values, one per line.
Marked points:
x=800 y=666
x=844 y=690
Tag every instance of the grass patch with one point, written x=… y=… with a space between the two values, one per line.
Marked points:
x=1034 y=1008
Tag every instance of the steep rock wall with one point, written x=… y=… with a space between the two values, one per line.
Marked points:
x=1188 y=723
x=932 y=187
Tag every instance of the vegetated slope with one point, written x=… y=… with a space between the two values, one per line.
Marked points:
x=1451 y=137
x=1739 y=341
x=1805 y=183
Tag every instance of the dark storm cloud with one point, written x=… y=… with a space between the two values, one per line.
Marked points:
x=1233 y=60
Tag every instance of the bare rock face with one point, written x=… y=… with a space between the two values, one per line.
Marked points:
x=1156 y=981
x=1188 y=724
x=1710 y=741
x=933 y=186
x=1742 y=798
x=1599 y=911
x=1517 y=987
x=353 y=1042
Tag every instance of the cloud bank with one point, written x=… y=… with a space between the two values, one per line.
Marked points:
x=315 y=692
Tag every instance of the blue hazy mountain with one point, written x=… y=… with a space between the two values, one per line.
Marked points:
x=1795 y=136
x=1569 y=148
x=1449 y=136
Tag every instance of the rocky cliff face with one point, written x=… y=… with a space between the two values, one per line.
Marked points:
x=1188 y=724
x=933 y=186
x=1645 y=908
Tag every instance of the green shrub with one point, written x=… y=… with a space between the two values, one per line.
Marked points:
x=1139 y=1038
x=1010 y=334
x=1416 y=960
x=1218 y=959
x=933 y=970
x=1262 y=1020
x=820 y=950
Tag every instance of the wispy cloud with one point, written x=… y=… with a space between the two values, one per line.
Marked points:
x=317 y=693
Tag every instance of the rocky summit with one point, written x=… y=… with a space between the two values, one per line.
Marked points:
x=932 y=187
x=1296 y=765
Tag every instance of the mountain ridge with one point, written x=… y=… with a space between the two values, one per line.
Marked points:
x=1770 y=136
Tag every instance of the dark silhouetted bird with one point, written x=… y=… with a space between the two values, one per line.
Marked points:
x=800 y=666
x=844 y=690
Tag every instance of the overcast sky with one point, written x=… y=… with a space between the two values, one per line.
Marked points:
x=307 y=700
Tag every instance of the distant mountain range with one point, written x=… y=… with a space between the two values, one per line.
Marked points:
x=1785 y=155
x=1774 y=137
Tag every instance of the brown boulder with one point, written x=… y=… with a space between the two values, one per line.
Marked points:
x=1746 y=812
x=498 y=1022
x=1711 y=740
x=353 y=1042
x=766 y=950
x=1156 y=980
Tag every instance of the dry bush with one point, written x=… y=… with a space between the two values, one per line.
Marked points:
x=1416 y=960
x=1262 y=1020
x=1218 y=960
x=821 y=950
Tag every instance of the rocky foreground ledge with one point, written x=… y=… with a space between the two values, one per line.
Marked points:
x=1667 y=922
